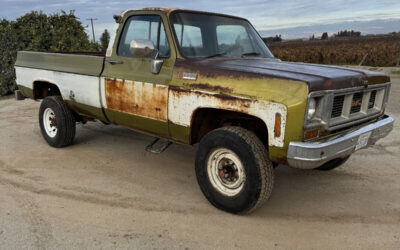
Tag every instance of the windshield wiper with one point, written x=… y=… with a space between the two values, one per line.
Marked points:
x=251 y=54
x=216 y=55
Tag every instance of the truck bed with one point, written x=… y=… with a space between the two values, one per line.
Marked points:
x=83 y=63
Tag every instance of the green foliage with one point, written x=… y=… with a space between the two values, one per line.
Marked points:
x=324 y=36
x=272 y=39
x=59 y=32
x=105 y=39
x=346 y=33
x=8 y=50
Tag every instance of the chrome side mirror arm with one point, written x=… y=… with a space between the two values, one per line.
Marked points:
x=156 y=63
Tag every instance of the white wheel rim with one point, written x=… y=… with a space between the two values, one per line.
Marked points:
x=50 y=122
x=226 y=172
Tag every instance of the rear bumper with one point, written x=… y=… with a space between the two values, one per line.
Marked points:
x=309 y=155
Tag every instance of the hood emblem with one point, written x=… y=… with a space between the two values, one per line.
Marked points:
x=187 y=76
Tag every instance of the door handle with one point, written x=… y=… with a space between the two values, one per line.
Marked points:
x=113 y=62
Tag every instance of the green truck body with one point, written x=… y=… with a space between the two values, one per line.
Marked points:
x=182 y=86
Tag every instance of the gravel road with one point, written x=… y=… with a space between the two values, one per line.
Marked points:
x=106 y=192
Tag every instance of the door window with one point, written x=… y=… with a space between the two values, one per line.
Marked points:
x=144 y=28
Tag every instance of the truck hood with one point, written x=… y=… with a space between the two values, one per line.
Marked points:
x=318 y=77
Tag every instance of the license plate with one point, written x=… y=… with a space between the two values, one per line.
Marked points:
x=363 y=140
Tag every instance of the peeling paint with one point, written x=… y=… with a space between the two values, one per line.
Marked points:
x=138 y=98
x=183 y=103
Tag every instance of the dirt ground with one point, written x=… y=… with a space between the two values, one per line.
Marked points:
x=107 y=192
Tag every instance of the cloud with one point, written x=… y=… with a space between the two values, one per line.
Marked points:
x=264 y=14
x=366 y=27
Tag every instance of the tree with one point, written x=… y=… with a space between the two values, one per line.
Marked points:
x=346 y=33
x=8 y=51
x=324 y=36
x=277 y=38
x=39 y=32
x=105 y=39
x=67 y=33
x=312 y=37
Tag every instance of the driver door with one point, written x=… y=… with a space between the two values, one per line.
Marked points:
x=135 y=97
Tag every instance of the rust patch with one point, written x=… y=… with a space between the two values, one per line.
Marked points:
x=221 y=101
x=207 y=86
x=138 y=98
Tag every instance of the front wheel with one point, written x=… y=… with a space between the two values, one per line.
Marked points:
x=57 y=123
x=233 y=170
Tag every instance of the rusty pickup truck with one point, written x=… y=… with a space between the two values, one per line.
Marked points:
x=203 y=78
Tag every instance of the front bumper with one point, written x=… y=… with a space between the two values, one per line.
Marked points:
x=309 y=155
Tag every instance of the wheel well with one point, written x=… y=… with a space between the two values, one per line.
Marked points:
x=207 y=119
x=44 y=89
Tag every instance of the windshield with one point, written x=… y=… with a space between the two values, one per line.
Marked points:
x=205 y=35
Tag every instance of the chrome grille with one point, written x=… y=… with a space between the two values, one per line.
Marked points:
x=342 y=108
x=337 y=107
x=355 y=105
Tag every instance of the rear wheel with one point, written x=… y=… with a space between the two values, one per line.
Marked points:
x=333 y=164
x=57 y=123
x=233 y=170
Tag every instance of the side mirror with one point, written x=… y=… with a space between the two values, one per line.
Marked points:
x=142 y=48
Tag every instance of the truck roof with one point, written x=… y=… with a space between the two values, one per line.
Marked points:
x=169 y=10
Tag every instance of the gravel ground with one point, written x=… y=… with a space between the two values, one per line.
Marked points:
x=106 y=192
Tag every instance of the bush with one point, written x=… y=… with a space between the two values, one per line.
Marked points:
x=38 y=32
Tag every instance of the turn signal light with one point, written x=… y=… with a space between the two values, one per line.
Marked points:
x=311 y=134
x=277 y=125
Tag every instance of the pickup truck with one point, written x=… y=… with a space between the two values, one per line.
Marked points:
x=194 y=77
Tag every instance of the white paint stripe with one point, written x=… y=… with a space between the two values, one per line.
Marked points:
x=85 y=88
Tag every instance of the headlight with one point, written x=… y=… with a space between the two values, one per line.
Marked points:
x=312 y=107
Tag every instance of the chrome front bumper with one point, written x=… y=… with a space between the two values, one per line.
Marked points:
x=308 y=155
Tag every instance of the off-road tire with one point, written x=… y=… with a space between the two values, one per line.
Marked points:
x=330 y=165
x=259 y=170
x=65 y=122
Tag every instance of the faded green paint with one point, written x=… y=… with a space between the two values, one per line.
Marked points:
x=27 y=92
x=179 y=133
x=294 y=128
x=141 y=66
x=69 y=63
x=283 y=91
x=86 y=110
x=146 y=125
x=292 y=94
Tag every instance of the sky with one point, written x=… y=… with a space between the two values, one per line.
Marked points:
x=290 y=18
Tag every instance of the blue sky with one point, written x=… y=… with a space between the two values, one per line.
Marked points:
x=291 y=18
